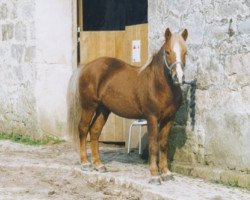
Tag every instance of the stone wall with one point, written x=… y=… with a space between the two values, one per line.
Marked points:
x=37 y=53
x=17 y=67
x=219 y=57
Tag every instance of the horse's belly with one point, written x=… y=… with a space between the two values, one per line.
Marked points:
x=123 y=107
x=128 y=115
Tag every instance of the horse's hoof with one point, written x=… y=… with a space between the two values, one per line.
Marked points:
x=167 y=177
x=100 y=168
x=86 y=167
x=155 y=180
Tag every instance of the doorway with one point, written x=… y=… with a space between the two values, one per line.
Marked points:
x=112 y=28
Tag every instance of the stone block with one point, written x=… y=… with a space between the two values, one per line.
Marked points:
x=20 y=31
x=178 y=8
x=195 y=19
x=236 y=64
x=19 y=73
x=206 y=173
x=227 y=131
x=17 y=52
x=30 y=53
x=247 y=2
x=230 y=9
x=7 y=32
x=215 y=33
x=231 y=178
x=3 y=11
x=182 y=169
x=13 y=9
x=28 y=10
x=244 y=181
x=179 y=145
x=244 y=26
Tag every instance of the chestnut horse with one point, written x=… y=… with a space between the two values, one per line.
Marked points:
x=110 y=85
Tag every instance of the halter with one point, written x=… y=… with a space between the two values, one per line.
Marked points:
x=170 y=67
x=192 y=85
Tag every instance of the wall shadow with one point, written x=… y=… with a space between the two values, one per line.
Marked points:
x=177 y=140
x=178 y=136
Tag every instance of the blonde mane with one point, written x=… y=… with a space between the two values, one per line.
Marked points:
x=146 y=64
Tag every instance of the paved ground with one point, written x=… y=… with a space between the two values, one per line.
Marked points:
x=53 y=172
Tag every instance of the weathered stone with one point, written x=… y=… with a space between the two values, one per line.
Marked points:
x=32 y=31
x=28 y=11
x=13 y=9
x=17 y=52
x=17 y=101
x=20 y=31
x=217 y=32
x=230 y=177
x=247 y=2
x=194 y=20
x=206 y=173
x=244 y=26
x=182 y=169
x=230 y=9
x=244 y=181
x=220 y=63
x=3 y=11
x=30 y=53
x=178 y=147
x=7 y=32
x=19 y=73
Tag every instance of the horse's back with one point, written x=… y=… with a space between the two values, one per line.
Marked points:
x=108 y=63
x=106 y=68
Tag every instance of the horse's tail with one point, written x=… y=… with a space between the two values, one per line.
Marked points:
x=74 y=107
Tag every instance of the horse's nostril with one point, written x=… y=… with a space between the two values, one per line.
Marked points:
x=175 y=79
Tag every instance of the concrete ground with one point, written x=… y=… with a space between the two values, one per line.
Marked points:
x=53 y=172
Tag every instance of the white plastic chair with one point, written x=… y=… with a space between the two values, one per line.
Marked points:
x=139 y=122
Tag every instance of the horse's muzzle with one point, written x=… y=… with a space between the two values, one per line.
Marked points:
x=176 y=81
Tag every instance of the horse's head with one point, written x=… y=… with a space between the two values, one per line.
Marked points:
x=174 y=56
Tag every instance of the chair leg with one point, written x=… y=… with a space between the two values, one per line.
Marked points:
x=140 y=141
x=129 y=137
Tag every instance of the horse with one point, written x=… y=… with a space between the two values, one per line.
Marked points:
x=151 y=92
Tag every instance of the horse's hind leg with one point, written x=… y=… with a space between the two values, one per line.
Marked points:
x=99 y=120
x=86 y=117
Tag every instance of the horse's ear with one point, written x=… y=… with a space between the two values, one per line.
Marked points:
x=185 y=34
x=167 y=34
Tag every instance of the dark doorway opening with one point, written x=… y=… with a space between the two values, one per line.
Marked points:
x=113 y=14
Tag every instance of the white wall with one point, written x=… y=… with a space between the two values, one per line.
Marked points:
x=55 y=57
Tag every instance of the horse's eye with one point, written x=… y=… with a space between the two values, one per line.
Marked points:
x=167 y=52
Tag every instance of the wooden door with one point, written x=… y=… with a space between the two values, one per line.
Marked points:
x=118 y=44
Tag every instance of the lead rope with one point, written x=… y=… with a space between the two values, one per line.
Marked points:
x=192 y=101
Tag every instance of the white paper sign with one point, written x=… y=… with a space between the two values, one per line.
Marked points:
x=136 y=51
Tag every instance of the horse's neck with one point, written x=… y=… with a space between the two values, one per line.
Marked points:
x=158 y=70
x=157 y=73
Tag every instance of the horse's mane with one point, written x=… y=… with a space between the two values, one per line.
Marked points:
x=154 y=58
x=149 y=61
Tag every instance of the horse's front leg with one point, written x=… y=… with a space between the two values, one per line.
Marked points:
x=153 y=149
x=165 y=127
